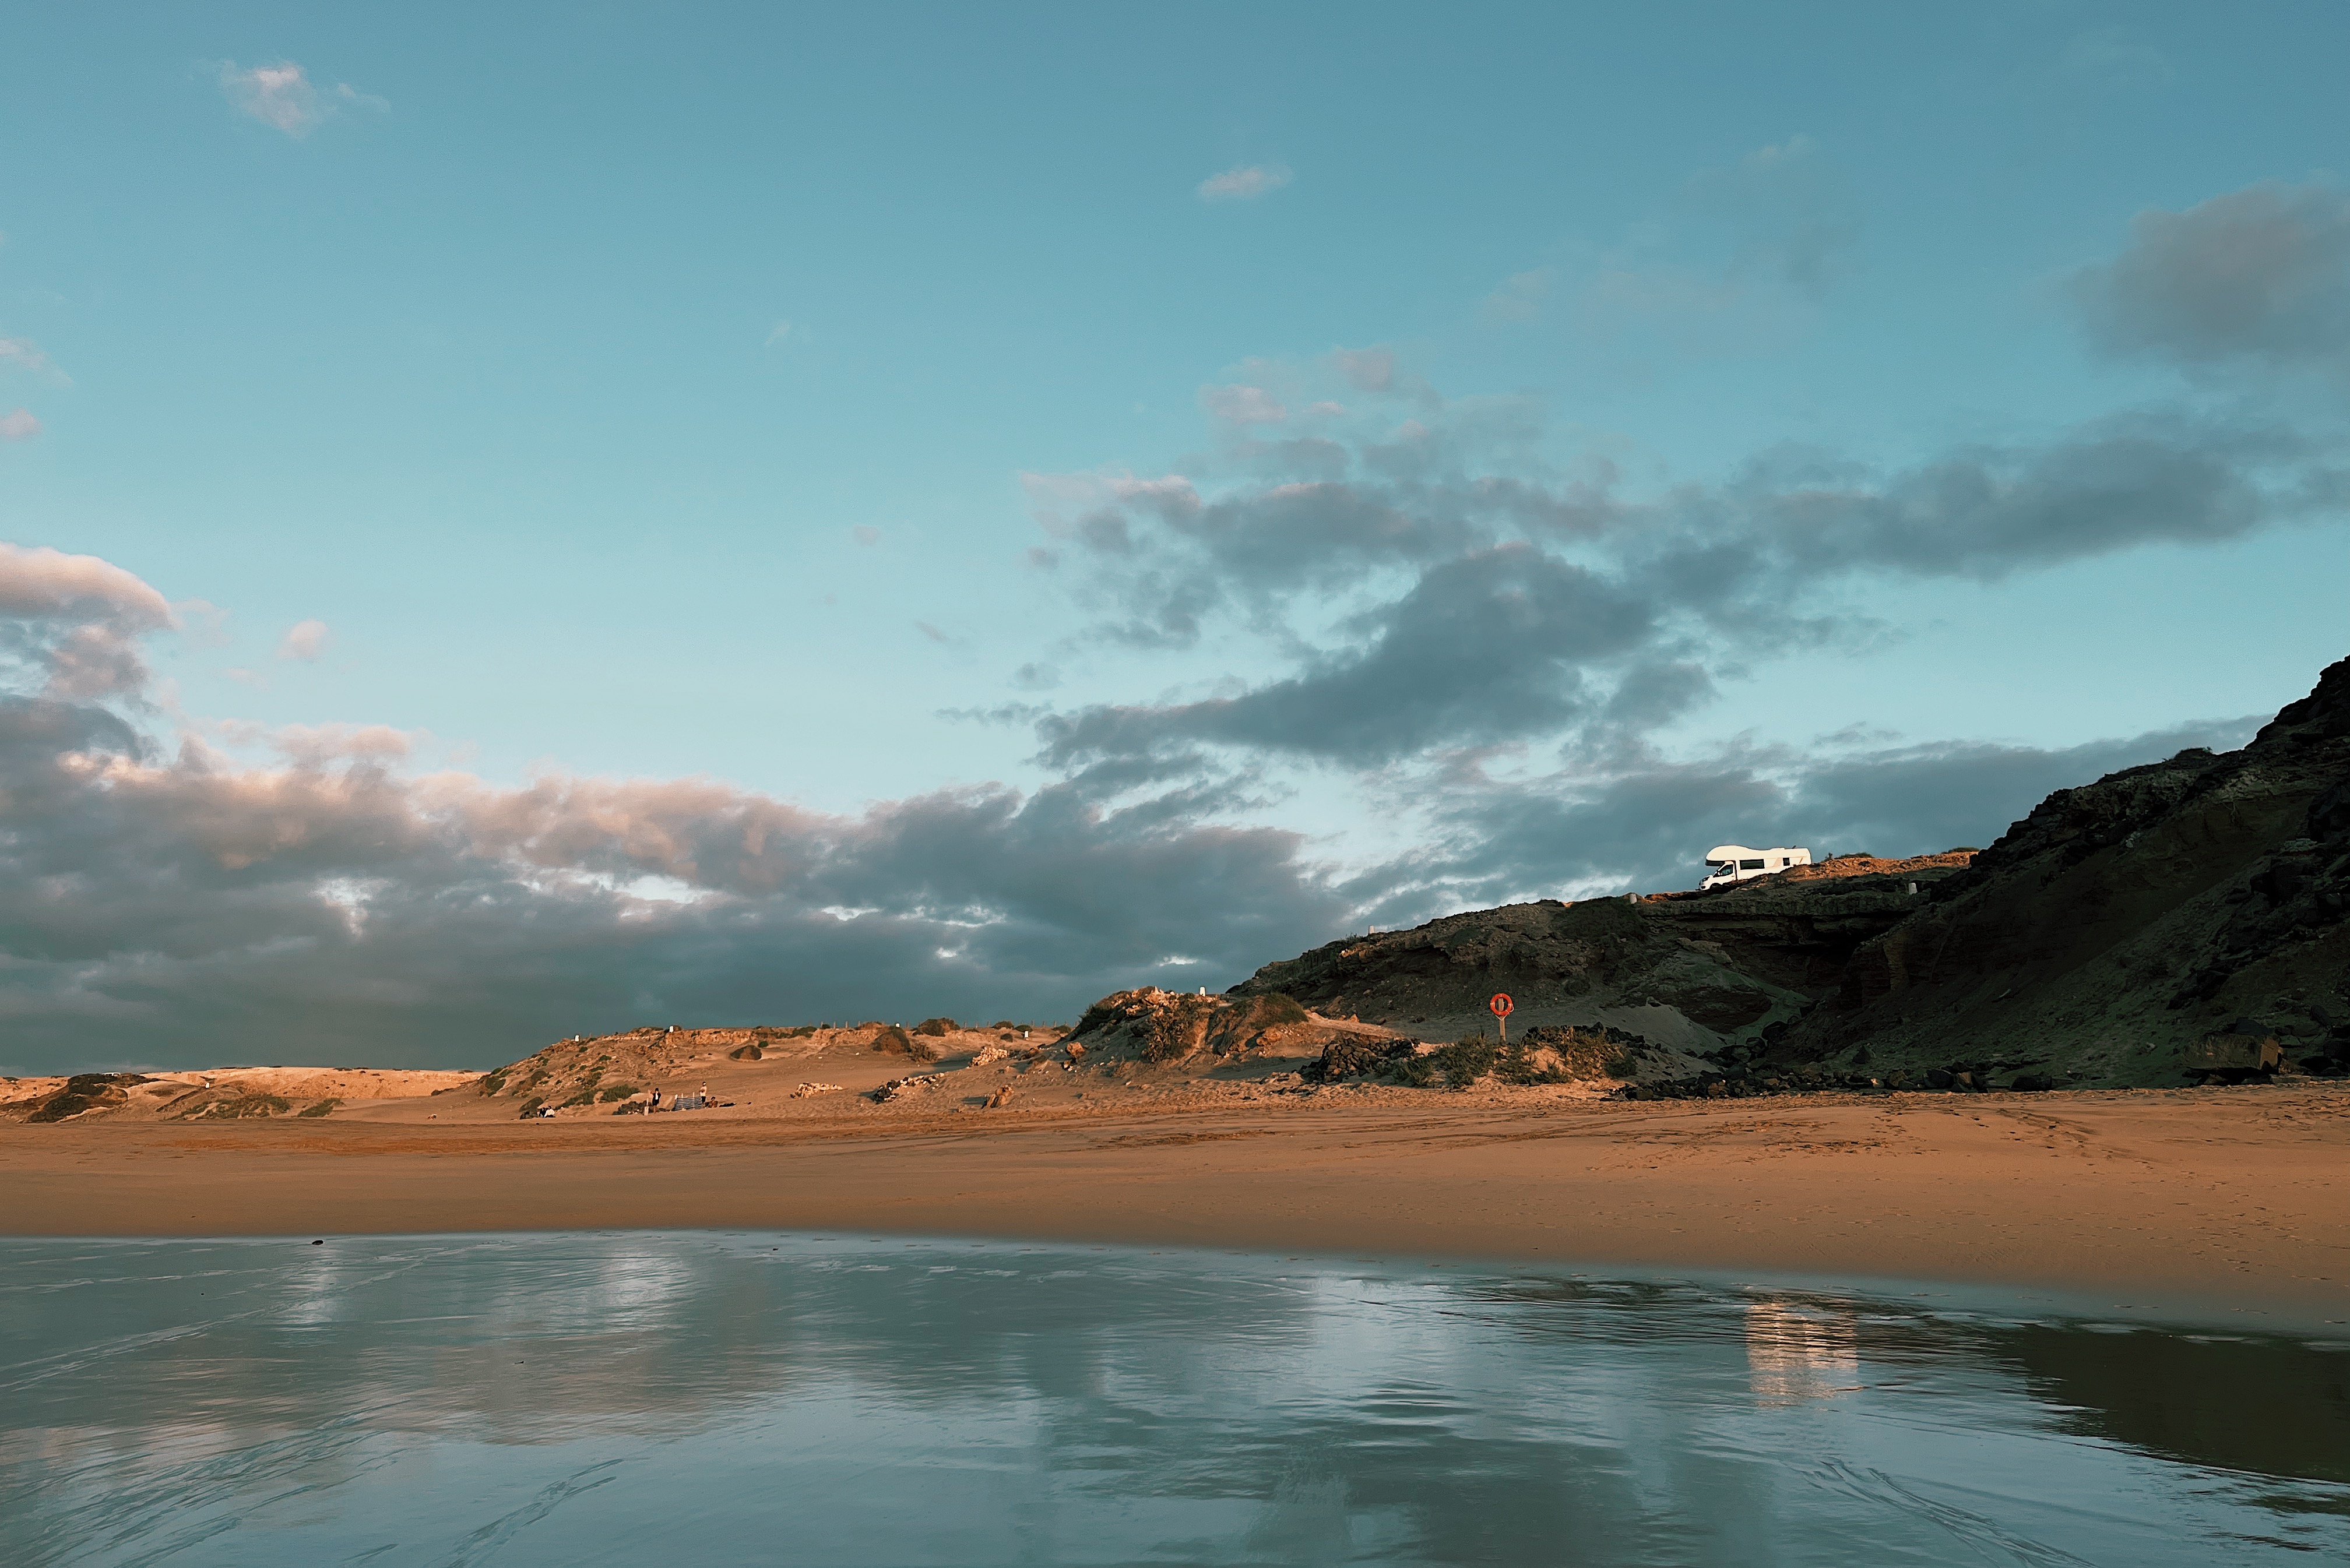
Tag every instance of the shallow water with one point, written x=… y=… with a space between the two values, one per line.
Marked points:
x=758 y=1398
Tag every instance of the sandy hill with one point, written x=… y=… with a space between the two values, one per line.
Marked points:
x=215 y=1094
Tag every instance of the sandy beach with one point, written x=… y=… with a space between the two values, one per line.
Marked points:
x=2221 y=1201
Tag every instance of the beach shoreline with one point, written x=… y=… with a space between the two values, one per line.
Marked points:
x=2228 y=1205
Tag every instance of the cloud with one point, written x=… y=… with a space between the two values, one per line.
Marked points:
x=2116 y=58
x=70 y=625
x=2259 y=275
x=865 y=533
x=1740 y=258
x=1498 y=642
x=1242 y=405
x=781 y=330
x=1519 y=297
x=282 y=96
x=18 y=425
x=27 y=354
x=1642 y=824
x=304 y=640
x=1245 y=184
x=1482 y=599
x=171 y=904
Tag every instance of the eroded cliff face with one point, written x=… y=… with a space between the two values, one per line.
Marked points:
x=1692 y=972
x=2122 y=921
x=2098 y=943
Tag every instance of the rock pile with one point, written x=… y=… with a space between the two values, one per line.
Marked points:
x=897 y=1088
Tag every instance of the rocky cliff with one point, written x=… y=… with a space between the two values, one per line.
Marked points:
x=2103 y=940
x=1691 y=972
x=2124 y=921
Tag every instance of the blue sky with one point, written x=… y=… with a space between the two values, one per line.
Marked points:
x=1436 y=455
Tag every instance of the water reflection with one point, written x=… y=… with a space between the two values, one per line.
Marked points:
x=613 y=1399
x=1796 y=1353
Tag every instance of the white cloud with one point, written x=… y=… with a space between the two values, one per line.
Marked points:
x=783 y=330
x=25 y=352
x=1245 y=184
x=304 y=640
x=283 y=97
x=865 y=533
x=19 y=425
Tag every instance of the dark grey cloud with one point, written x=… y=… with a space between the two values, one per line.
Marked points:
x=182 y=907
x=1505 y=607
x=1985 y=512
x=185 y=911
x=2260 y=273
x=1646 y=825
x=1496 y=642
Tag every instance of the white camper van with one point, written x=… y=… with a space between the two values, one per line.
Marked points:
x=1728 y=863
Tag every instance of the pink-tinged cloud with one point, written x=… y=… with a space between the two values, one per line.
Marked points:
x=19 y=425
x=1245 y=184
x=79 y=618
x=304 y=640
x=42 y=583
x=317 y=745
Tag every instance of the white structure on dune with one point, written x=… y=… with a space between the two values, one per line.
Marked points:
x=1728 y=863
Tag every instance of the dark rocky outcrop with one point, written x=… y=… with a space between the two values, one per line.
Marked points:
x=2099 y=942
x=2121 y=922
x=1686 y=970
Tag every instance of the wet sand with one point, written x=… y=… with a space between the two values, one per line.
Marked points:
x=2224 y=1201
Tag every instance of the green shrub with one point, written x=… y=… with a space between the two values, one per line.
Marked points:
x=936 y=1028
x=529 y=1107
x=247 y=1105
x=1588 y=1051
x=1279 y=1007
x=896 y=1041
x=323 y=1108
x=611 y=1092
x=1466 y=1060
x=1415 y=1070
x=493 y=1082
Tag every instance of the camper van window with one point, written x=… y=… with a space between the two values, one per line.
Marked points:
x=1784 y=860
x=1751 y=865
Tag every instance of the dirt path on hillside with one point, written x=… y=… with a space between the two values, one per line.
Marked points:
x=2225 y=1199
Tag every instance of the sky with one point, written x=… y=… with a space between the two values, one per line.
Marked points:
x=533 y=521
